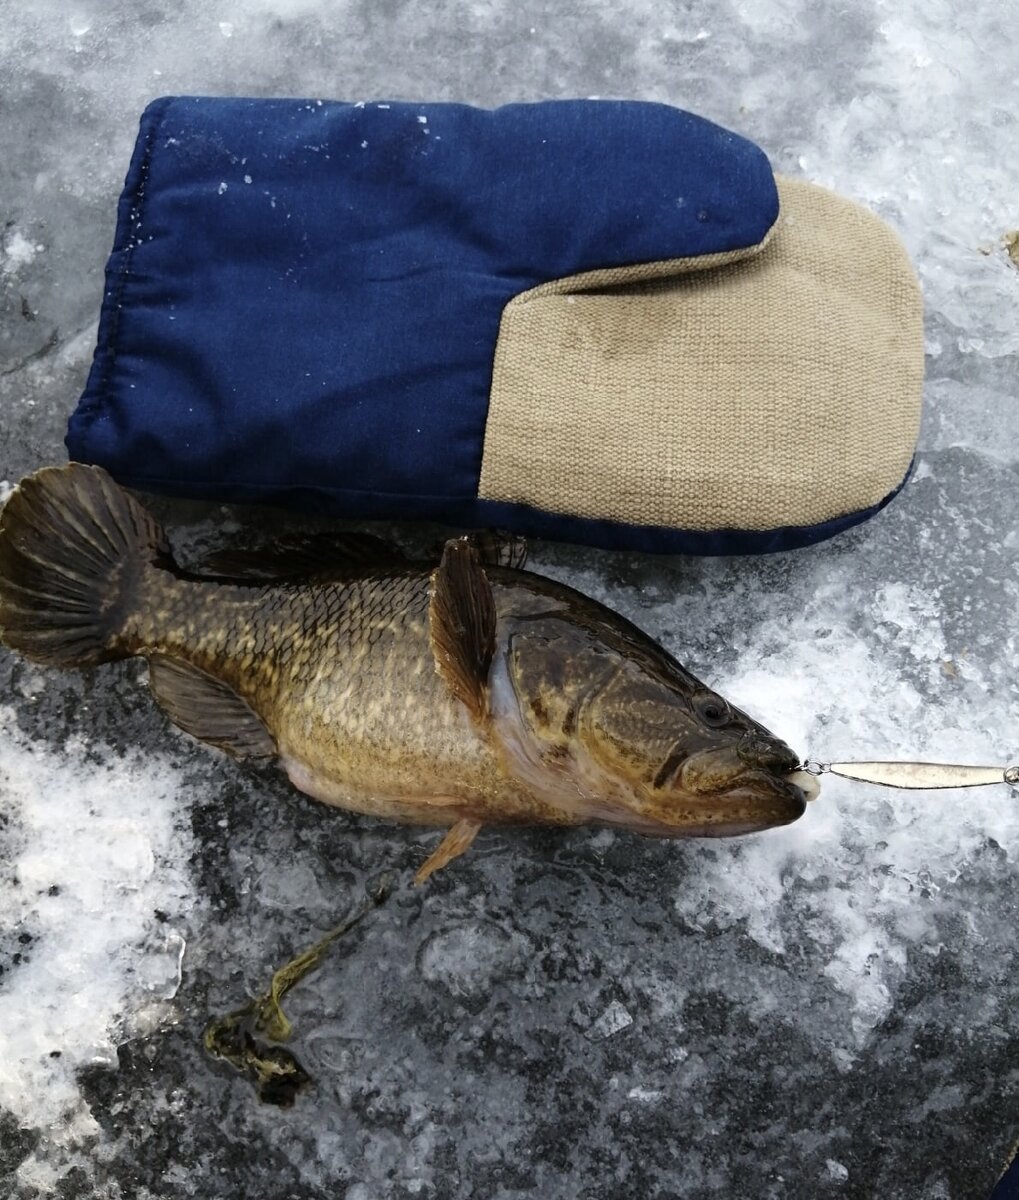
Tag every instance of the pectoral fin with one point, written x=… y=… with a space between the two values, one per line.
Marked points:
x=208 y=709
x=461 y=617
x=459 y=839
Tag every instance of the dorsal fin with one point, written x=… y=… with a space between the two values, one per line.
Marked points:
x=499 y=548
x=462 y=625
x=301 y=556
x=208 y=708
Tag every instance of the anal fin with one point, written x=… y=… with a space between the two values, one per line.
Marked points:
x=456 y=841
x=208 y=708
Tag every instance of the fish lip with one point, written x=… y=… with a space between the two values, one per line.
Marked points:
x=780 y=786
x=737 y=773
x=757 y=808
x=739 y=780
x=798 y=795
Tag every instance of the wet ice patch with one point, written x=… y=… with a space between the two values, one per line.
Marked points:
x=468 y=959
x=95 y=894
x=967 y=415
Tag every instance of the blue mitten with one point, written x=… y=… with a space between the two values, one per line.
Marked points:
x=597 y=321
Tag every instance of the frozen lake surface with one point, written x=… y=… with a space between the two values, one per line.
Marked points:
x=829 y=1009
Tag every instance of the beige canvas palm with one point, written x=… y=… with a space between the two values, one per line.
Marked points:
x=775 y=386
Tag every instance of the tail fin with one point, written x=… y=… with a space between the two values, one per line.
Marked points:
x=72 y=548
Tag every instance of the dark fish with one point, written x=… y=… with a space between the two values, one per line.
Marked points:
x=466 y=694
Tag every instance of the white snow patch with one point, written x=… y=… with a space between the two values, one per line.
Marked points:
x=96 y=844
x=17 y=252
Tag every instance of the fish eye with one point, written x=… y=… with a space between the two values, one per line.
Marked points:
x=712 y=710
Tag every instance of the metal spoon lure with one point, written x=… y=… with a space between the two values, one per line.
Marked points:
x=916 y=775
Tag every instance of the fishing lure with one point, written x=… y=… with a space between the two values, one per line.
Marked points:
x=916 y=776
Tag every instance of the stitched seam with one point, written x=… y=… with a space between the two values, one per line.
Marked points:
x=603 y=278
x=114 y=300
x=139 y=481
x=142 y=483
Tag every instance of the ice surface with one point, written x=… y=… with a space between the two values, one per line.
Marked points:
x=829 y=1009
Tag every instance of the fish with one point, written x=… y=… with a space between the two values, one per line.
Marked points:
x=458 y=695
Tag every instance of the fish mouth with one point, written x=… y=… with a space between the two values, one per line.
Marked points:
x=747 y=796
x=768 y=753
x=715 y=794
x=778 y=798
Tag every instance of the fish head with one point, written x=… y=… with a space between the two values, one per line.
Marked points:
x=633 y=740
x=685 y=762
